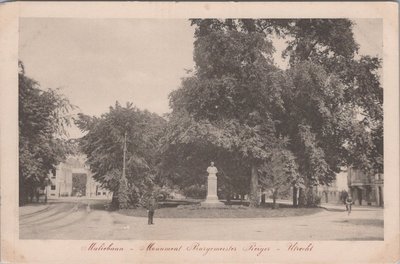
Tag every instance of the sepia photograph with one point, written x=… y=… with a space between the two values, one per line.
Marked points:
x=200 y=129
x=199 y=132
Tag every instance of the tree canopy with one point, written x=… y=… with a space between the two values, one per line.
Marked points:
x=226 y=107
x=103 y=145
x=239 y=105
x=262 y=124
x=43 y=118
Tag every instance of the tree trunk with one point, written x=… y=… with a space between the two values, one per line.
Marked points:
x=311 y=200
x=295 y=204
x=253 y=187
x=114 y=201
x=263 y=198
x=302 y=198
x=274 y=196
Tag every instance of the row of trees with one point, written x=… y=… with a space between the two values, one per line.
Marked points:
x=263 y=125
x=293 y=126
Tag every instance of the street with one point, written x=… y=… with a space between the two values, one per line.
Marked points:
x=72 y=219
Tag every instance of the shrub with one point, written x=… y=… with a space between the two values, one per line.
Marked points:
x=162 y=193
x=312 y=199
x=317 y=200
x=195 y=191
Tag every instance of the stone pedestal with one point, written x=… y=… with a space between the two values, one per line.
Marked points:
x=212 y=198
x=212 y=188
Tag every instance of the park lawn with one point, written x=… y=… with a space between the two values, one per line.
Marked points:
x=242 y=212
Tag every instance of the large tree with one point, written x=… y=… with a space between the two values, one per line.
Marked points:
x=329 y=47
x=42 y=119
x=224 y=108
x=238 y=101
x=103 y=144
x=333 y=110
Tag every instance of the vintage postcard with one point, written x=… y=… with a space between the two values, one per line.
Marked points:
x=199 y=132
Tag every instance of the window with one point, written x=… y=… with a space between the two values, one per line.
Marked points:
x=53 y=187
x=99 y=193
x=104 y=193
x=53 y=194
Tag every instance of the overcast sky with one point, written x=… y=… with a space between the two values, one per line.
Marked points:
x=96 y=62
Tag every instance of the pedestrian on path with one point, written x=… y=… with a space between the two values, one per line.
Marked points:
x=151 y=208
x=349 y=202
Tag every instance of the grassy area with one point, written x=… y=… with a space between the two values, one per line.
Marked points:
x=228 y=212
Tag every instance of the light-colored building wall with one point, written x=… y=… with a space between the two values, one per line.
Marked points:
x=341 y=180
x=332 y=193
x=62 y=183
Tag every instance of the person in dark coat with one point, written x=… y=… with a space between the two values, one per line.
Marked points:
x=349 y=202
x=151 y=208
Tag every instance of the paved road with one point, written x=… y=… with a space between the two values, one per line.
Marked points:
x=72 y=220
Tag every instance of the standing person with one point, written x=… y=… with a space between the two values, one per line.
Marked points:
x=151 y=208
x=349 y=202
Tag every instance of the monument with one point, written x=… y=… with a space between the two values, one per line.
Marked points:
x=212 y=198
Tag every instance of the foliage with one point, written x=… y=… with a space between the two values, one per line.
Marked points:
x=365 y=145
x=43 y=118
x=261 y=125
x=316 y=120
x=316 y=103
x=225 y=107
x=319 y=39
x=195 y=191
x=312 y=200
x=279 y=172
x=162 y=193
x=103 y=146
x=329 y=45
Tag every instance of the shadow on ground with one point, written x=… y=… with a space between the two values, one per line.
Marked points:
x=370 y=222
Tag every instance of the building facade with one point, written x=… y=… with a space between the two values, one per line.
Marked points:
x=73 y=178
x=365 y=189
x=333 y=192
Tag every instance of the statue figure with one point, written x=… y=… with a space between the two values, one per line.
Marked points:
x=212 y=170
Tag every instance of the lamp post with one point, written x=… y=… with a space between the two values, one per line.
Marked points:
x=123 y=187
x=124 y=158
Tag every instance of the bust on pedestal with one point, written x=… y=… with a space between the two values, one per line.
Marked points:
x=212 y=198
